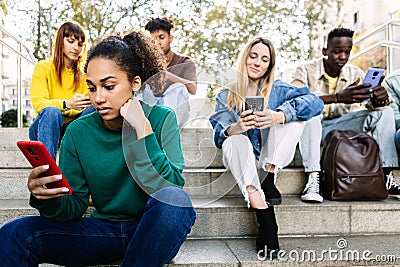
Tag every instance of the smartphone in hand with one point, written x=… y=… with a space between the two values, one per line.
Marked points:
x=373 y=77
x=255 y=103
x=37 y=154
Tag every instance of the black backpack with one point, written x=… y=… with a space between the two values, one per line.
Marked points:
x=351 y=167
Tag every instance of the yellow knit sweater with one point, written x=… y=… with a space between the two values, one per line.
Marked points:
x=46 y=91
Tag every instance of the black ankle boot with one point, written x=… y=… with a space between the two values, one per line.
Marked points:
x=267 y=238
x=272 y=194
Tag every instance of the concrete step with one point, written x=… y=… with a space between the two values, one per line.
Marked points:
x=343 y=251
x=200 y=183
x=206 y=183
x=200 y=152
x=13 y=183
x=9 y=136
x=219 y=182
x=382 y=251
x=198 y=148
x=10 y=155
x=229 y=217
x=197 y=145
x=195 y=157
x=299 y=251
x=190 y=136
x=202 y=157
x=11 y=209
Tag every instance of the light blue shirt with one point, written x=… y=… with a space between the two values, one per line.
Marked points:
x=392 y=86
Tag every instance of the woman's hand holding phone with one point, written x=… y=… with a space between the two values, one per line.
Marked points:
x=37 y=184
x=245 y=122
x=46 y=180
x=268 y=118
x=78 y=102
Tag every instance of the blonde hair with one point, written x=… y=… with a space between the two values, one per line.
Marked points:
x=237 y=92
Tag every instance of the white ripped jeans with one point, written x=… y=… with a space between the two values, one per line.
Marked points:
x=278 y=149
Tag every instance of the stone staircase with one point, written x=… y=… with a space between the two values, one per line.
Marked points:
x=328 y=234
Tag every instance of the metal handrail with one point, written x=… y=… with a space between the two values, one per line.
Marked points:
x=17 y=52
x=377 y=29
x=20 y=56
x=32 y=58
x=390 y=44
x=372 y=47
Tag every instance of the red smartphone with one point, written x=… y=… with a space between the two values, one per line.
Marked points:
x=37 y=154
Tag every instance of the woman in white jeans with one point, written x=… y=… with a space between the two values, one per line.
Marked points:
x=261 y=140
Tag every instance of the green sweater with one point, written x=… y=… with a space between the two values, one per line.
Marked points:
x=114 y=168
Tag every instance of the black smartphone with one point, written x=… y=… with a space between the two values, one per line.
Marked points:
x=255 y=103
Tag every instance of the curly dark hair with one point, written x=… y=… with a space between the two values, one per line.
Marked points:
x=340 y=32
x=136 y=53
x=164 y=24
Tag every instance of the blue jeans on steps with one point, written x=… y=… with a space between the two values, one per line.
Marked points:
x=152 y=241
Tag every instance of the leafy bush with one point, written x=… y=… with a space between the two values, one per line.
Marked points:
x=9 y=119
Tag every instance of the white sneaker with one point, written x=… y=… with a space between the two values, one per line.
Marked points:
x=392 y=186
x=312 y=191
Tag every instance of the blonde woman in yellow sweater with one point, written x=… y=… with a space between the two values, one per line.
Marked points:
x=58 y=89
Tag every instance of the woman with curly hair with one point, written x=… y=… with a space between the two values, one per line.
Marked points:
x=58 y=88
x=130 y=164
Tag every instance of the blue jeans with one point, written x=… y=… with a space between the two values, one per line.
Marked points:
x=380 y=123
x=47 y=127
x=152 y=241
x=397 y=141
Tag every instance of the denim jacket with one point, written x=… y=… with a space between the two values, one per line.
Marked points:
x=298 y=104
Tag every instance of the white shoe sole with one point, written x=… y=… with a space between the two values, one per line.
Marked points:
x=395 y=196
x=312 y=197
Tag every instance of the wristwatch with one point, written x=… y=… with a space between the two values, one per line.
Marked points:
x=225 y=133
x=65 y=105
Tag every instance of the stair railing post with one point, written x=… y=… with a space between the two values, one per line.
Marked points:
x=388 y=50
x=19 y=87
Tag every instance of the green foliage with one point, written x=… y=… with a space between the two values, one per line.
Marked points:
x=3 y=6
x=99 y=17
x=9 y=119
x=102 y=17
x=219 y=31
x=210 y=32
x=207 y=30
x=315 y=22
